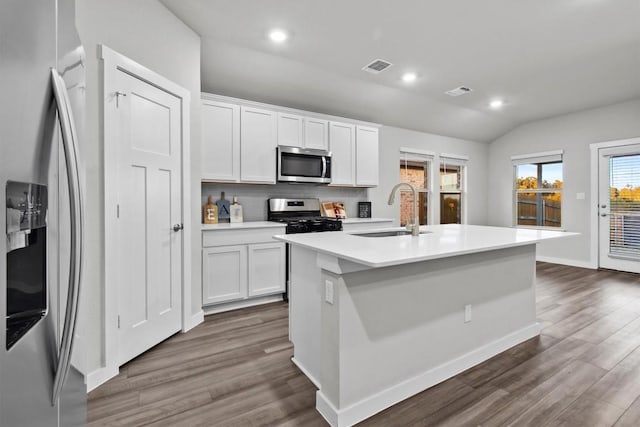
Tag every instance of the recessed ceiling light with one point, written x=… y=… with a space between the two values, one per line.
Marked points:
x=278 y=36
x=496 y=103
x=409 y=77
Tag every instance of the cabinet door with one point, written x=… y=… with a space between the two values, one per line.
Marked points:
x=220 y=141
x=342 y=142
x=266 y=268
x=224 y=274
x=257 y=145
x=366 y=156
x=290 y=130
x=316 y=134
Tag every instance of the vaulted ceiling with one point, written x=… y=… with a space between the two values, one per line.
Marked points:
x=542 y=57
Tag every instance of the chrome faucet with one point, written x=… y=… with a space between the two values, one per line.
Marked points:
x=415 y=227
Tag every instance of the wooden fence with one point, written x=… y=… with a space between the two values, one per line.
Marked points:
x=528 y=213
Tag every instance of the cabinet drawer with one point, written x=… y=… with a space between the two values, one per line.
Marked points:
x=240 y=236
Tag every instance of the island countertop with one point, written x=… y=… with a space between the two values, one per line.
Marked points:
x=439 y=241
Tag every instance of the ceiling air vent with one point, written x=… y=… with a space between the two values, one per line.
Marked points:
x=458 y=91
x=377 y=66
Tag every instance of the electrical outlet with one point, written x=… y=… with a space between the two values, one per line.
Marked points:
x=328 y=291
x=467 y=313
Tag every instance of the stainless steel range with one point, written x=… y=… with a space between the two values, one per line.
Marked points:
x=301 y=216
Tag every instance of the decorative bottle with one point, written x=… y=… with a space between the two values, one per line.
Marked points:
x=223 y=208
x=210 y=212
x=236 y=210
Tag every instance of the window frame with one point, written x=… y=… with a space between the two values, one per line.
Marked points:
x=537 y=159
x=417 y=155
x=462 y=162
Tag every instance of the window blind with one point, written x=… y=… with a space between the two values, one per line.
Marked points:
x=453 y=160
x=414 y=154
x=543 y=157
x=624 y=217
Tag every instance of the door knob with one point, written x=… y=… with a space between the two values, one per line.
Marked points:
x=178 y=227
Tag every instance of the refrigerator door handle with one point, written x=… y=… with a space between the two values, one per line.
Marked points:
x=70 y=147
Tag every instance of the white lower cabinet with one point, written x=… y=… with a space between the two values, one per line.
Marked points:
x=241 y=264
x=224 y=274
x=266 y=268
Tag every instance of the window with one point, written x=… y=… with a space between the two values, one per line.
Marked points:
x=538 y=189
x=624 y=203
x=415 y=166
x=452 y=170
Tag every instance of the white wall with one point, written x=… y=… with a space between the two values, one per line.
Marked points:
x=145 y=31
x=572 y=133
x=391 y=139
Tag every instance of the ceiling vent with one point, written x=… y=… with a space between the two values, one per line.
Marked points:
x=458 y=91
x=377 y=66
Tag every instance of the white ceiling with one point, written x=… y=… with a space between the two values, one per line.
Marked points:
x=543 y=57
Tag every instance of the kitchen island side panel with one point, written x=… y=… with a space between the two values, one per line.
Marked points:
x=392 y=332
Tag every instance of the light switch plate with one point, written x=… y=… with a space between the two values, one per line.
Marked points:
x=580 y=196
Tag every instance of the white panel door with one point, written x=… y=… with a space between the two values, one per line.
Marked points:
x=366 y=156
x=316 y=134
x=342 y=142
x=290 y=129
x=220 y=141
x=619 y=207
x=266 y=268
x=258 y=145
x=224 y=274
x=149 y=204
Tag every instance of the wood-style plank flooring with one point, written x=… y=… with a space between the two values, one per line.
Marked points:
x=235 y=370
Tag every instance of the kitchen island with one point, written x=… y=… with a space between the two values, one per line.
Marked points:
x=375 y=320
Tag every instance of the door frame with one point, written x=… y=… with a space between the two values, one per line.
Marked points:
x=595 y=192
x=112 y=63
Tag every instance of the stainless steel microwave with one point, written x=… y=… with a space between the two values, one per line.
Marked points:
x=297 y=164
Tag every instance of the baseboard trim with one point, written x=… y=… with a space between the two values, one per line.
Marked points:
x=193 y=321
x=375 y=403
x=100 y=376
x=305 y=371
x=565 y=261
x=221 y=308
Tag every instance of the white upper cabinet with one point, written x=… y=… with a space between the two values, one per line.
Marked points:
x=239 y=140
x=220 y=141
x=290 y=130
x=305 y=132
x=316 y=133
x=342 y=143
x=258 y=129
x=366 y=156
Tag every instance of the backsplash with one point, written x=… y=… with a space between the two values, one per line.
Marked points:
x=253 y=198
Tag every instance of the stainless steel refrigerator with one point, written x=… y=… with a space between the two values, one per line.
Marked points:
x=42 y=84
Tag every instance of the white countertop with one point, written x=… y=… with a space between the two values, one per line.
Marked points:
x=365 y=220
x=442 y=241
x=242 y=225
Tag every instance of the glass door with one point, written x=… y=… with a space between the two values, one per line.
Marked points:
x=619 y=208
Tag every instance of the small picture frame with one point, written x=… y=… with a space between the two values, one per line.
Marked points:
x=334 y=210
x=364 y=209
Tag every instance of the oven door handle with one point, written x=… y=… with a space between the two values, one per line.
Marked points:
x=70 y=148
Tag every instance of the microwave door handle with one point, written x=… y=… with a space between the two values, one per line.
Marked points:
x=324 y=167
x=70 y=148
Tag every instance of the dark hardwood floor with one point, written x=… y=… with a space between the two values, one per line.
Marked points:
x=235 y=370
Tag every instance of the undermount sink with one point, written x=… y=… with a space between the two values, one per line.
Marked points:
x=388 y=233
